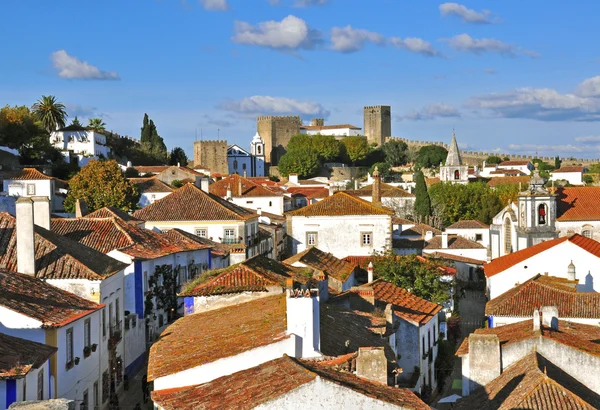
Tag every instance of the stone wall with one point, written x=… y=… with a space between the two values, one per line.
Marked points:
x=211 y=155
x=377 y=123
x=276 y=131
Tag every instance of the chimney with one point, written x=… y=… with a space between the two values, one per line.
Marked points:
x=228 y=194
x=571 y=272
x=240 y=186
x=428 y=235
x=129 y=164
x=178 y=165
x=376 y=194
x=371 y=364
x=370 y=272
x=389 y=315
x=356 y=184
x=204 y=183
x=293 y=179
x=484 y=163
x=81 y=208
x=244 y=173
x=25 y=236
x=259 y=211
x=444 y=240
x=550 y=317
x=41 y=211
x=484 y=360
x=303 y=320
x=536 y=320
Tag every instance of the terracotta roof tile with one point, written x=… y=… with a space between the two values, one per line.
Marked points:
x=507 y=261
x=341 y=204
x=523 y=180
x=202 y=338
x=309 y=192
x=41 y=301
x=569 y=169
x=508 y=172
x=406 y=243
x=539 y=291
x=531 y=383
x=190 y=203
x=148 y=185
x=324 y=262
x=575 y=335
x=329 y=127
x=18 y=356
x=513 y=163
x=157 y=169
x=402 y=221
x=112 y=212
x=56 y=257
x=249 y=188
x=454 y=242
x=578 y=204
x=420 y=230
x=387 y=191
x=248 y=389
x=25 y=174
x=468 y=224
x=432 y=181
x=217 y=248
x=457 y=258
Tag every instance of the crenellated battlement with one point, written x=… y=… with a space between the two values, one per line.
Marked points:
x=207 y=142
x=279 y=117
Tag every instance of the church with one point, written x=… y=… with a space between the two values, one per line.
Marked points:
x=541 y=214
x=453 y=170
x=249 y=164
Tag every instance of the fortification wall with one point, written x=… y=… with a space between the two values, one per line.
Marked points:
x=276 y=131
x=211 y=155
x=377 y=123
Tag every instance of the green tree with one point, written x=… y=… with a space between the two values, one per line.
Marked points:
x=431 y=156
x=97 y=125
x=302 y=161
x=151 y=142
x=420 y=277
x=49 y=112
x=543 y=167
x=178 y=157
x=100 y=184
x=493 y=159
x=76 y=122
x=146 y=135
x=396 y=152
x=422 y=200
x=382 y=167
x=299 y=141
x=17 y=126
x=326 y=146
x=356 y=148
x=557 y=162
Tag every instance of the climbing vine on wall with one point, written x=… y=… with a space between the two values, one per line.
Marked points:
x=163 y=292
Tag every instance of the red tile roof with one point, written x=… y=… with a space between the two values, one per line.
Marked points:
x=531 y=383
x=575 y=335
x=387 y=191
x=569 y=169
x=420 y=230
x=25 y=174
x=513 y=163
x=457 y=258
x=157 y=169
x=508 y=172
x=148 y=185
x=328 y=127
x=112 y=212
x=402 y=221
x=309 y=192
x=454 y=242
x=249 y=188
x=507 y=261
x=432 y=181
x=578 y=204
x=324 y=262
x=217 y=248
x=190 y=203
x=523 y=180
x=202 y=338
x=18 y=356
x=248 y=389
x=56 y=257
x=341 y=204
x=468 y=224
x=34 y=298
x=539 y=291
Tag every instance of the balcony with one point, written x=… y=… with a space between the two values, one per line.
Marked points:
x=231 y=241
x=115 y=335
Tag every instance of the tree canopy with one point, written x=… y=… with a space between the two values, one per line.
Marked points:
x=326 y=147
x=49 y=112
x=356 y=148
x=420 y=277
x=493 y=159
x=302 y=161
x=430 y=156
x=97 y=125
x=151 y=142
x=100 y=184
x=422 y=200
x=396 y=152
x=543 y=167
x=178 y=157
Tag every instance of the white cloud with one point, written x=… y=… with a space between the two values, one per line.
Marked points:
x=215 y=5
x=431 y=112
x=543 y=104
x=308 y=3
x=348 y=39
x=466 y=43
x=267 y=105
x=73 y=68
x=291 y=33
x=467 y=15
x=588 y=138
x=415 y=45
x=589 y=87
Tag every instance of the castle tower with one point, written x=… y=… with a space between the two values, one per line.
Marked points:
x=377 y=123
x=257 y=149
x=276 y=132
x=537 y=213
x=211 y=155
x=453 y=170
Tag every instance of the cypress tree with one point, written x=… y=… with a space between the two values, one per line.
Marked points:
x=422 y=200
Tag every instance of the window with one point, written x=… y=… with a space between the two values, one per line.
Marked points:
x=507 y=237
x=96 y=396
x=423 y=344
x=244 y=167
x=87 y=333
x=478 y=237
x=270 y=203
x=202 y=232
x=366 y=238
x=311 y=239
x=456 y=174
x=587 y=233
x=105 y=386
x=249 y=202
x=117 y=311
x=40 y=387
x=69 y=345
x=30 y=189
x=235 y=164
x=103 y=323
x=84 y=403
x=229 y=236
x=258 y=149
x=542 y=214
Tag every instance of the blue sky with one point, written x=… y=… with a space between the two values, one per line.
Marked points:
x=514 y=76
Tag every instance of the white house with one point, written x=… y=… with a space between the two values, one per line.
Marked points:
x=36 y=311
x=573 y=175
x=467 y=269
x=551 y=257
x=525 y=166
x=82 y=143
x=151 y=190
x=196 y=211
x=342 y=225
x=242 y=162
x=472 y=230
x=248 y=194
x=341 y=130
x=455 y=245
x=30 y=182
x=392 y=197
x=25 y=373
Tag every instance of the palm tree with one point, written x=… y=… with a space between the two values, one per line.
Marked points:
x=50 y=113
x=97 y=125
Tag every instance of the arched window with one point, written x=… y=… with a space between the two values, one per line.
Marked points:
x=542 y=214
x=507 y=236
x=587 y=233
x=258 y=149
x=244 y=167
x=456 y=174
x=270 y=203
x=235 y=164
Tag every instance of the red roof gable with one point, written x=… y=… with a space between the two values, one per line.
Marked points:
x=578 y=204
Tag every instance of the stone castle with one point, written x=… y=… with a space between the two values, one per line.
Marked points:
x=276 y=132
x=377 y=123
x=212 y=155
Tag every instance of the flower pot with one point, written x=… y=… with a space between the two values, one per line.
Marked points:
x=94 y=347
x=76 y=360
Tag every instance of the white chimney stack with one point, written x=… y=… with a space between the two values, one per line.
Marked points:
x=259 y=211
x=571 y=272
x=25 y=236
x=41 y=211
x=228 y=194
x=129 y=164
x=428 y=235
x=303 y=319
x=293 y=178
x=370 y=273
x=444 y=240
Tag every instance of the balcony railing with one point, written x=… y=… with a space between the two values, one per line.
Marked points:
x=115 y=334
x=231 y=241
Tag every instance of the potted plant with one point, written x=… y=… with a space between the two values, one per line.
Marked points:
x=87 y=351
x=76 y=360
x=94 y=347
